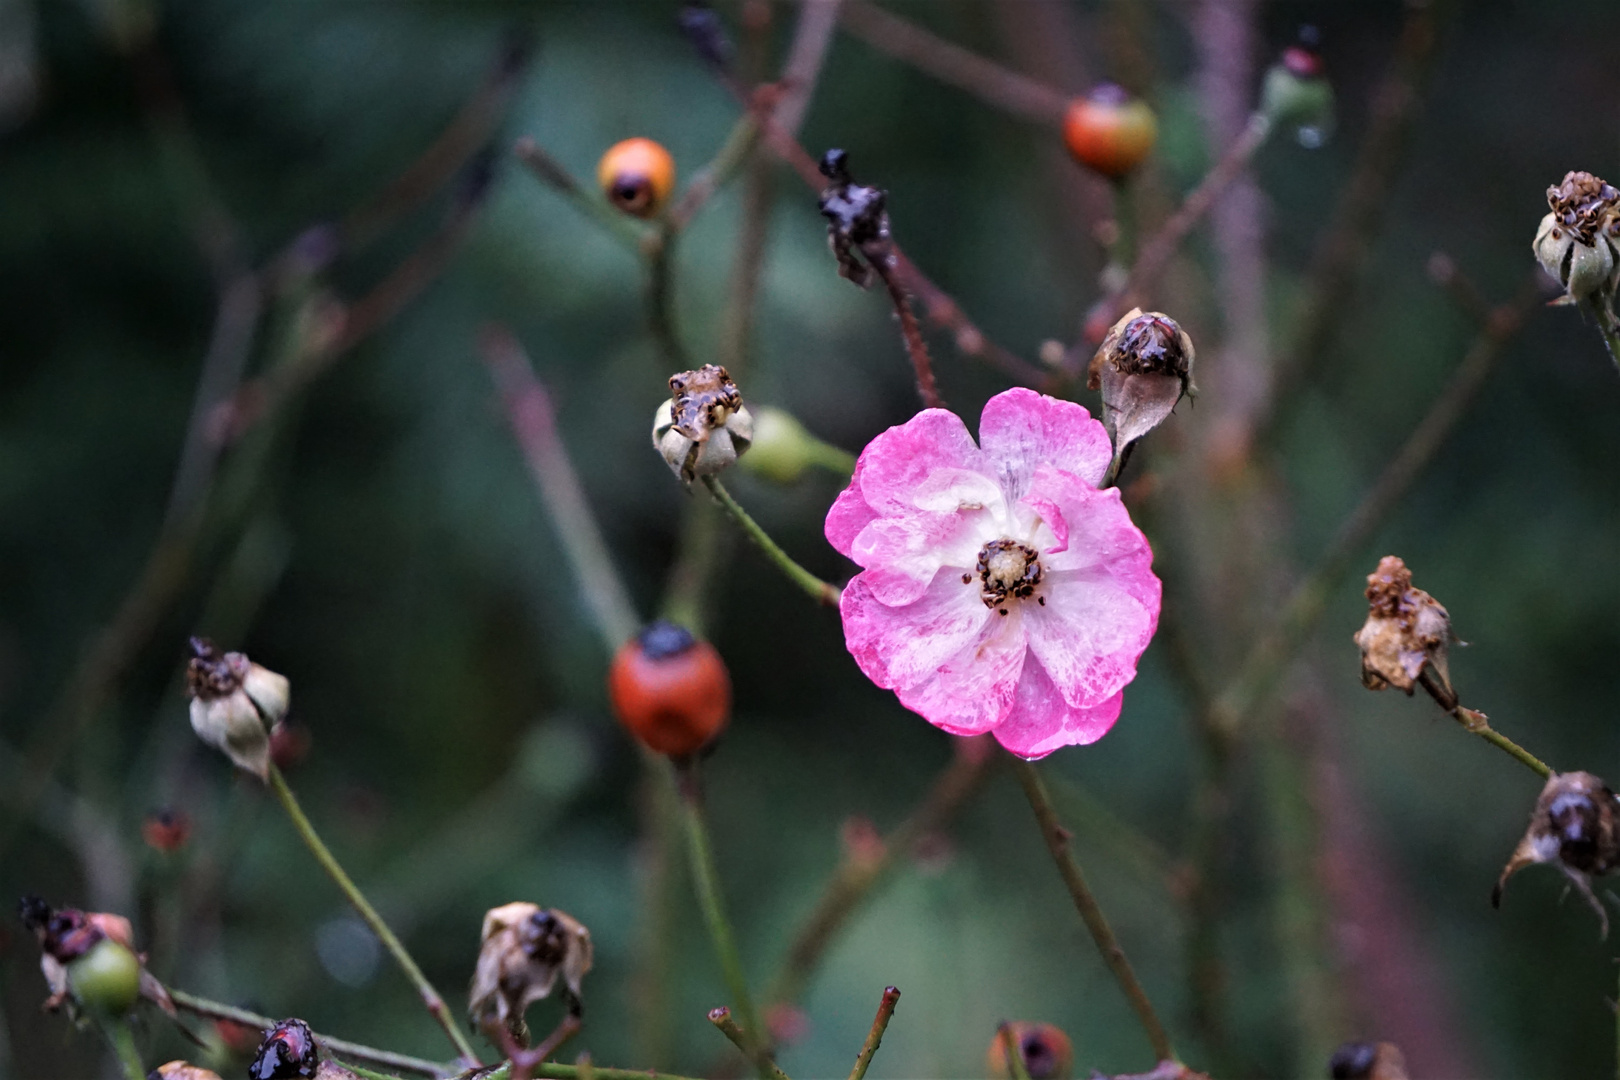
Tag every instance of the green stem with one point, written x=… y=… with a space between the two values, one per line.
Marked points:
x=659 y=249
x=706 y=880
x=1607 y=325
x=116 y=1028
x=1476 y=722
x=552 y=1070
x=820 y=591
x=430 y=997
x=547 y=169
x=1057 y=841
x=1011 y=1053
x=768 y=1068
x=874 y=1038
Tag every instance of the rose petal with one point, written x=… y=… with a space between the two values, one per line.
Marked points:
x=1021 y=429
x=1041 y=721
x=901 y=646
x=849 y=514
x=903 y=554
x=927 y=463
x=973 y=691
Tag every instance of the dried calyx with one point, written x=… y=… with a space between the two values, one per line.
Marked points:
x=89 y=959
x=1574 y=826
x=703 y=427
x=1406 y=635
x=856 y=221
x=233 y=702
x=1143 y=368
x=526 y=951
x=1576 y=241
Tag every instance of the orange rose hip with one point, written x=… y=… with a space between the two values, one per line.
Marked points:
x=671 y=691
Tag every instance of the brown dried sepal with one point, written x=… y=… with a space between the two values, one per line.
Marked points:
x=703 y=400
x=1407 y=631
x=525 y=950
x=1143 y=368
x=1573 y=825
x=1583 y=204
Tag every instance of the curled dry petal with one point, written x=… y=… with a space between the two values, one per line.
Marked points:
x=1406 y=631
x=1573 y=824
x=1143 y=368
x=525 y=950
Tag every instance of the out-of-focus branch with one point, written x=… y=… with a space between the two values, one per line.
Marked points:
x=534 y=422
x=1009 y=91
x=855 y=878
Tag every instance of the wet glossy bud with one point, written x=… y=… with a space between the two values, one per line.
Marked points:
x=105 y=978
x=525 y=951
x=638 y=176
x=1406 y=632
x=1110 y=131
x=1143 y=368
x=704 y=427
x=1573 y=825
x=1296 y=92
x=1046 y=1051
x=288 y=1052
x=166 y=830
x=671 y=691
x=1367 y=1061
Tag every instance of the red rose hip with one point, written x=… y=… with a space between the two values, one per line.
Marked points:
x=1110 y=131
x=671 y=691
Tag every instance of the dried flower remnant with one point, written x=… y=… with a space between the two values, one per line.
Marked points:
x=526 y=949
x=704 y=426
x=232 y=702
x=1406 y=632
x=1044 y=1050
x=1367 y=1061
x=1001 y=590
x=89 y=961
x=288 y=1052
x=1573 y=825
x=1143 y=368
x=856 y=220
x=1575 y=242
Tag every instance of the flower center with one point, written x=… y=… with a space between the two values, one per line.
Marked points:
x=1007 y=568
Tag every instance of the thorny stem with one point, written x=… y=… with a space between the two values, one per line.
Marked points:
x=910 y=332
x=116 y=1029
x=1476 y=722
x=534 y=422
x=768 y=1068
x=706 y=881
x=1057 y=842
x=855 y=879
x=874 y=1038
x=323 y=855
x=215 y=1010
x=820 y=591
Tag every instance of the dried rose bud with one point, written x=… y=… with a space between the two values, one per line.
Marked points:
x=1367 y=1061
x=232 y=699
x=1573 y=825
x=525 y=949
x=1575 y=241
x=166 y=830
x=1046 y=1051
x=704 y=427
x=1143 y=368
x=1406 y=631
x=856 y=219
x=181 y=1070
x=287 y=1052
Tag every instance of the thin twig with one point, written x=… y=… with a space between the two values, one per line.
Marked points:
x=1017 y=94
x=551 y=173
x=874 y=1038
x=1477 y=723
x=1011 y=1054
x=215 y=1010
x=822 y=592
x=534 y=422
x=855 y=879
x=334 y=870
x=916 y=348
x=1057 y=842
x=745 y=1041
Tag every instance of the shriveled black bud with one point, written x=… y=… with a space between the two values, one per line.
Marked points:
x=287 y=1052
x=857 y=222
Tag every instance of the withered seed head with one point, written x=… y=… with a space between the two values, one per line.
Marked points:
x=1407 y=630
x=1576 y=240
x=1573 y=825
x=232 y=701
x=703 y=427
x=525 y=950
x=1143 y=368
x=1582 y=203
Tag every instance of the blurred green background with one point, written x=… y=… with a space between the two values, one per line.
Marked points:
x=392 y=558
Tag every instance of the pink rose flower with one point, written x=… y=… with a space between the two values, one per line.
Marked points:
x=1000 y=590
